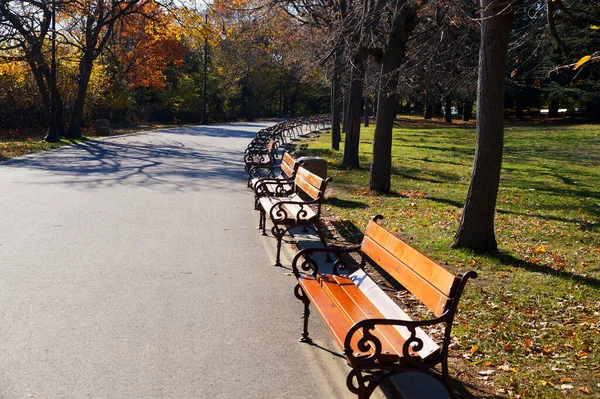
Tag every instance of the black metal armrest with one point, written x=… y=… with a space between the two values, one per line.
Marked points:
x=310 y=266
x=262 y=171
x=367 y=341
x=281 y=185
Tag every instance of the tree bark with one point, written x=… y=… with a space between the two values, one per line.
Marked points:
x=85 y=71
x=519 y=114
x=437 y=109
x=336 y=99
x=351 y=145
x=448 y=109
x=467 y=110
x=345 y=111
x=476 y=229
x=428 y=111
x=553 y=109
x=403 y=22
x=366 y=111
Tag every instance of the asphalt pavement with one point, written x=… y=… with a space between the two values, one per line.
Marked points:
x=131 y=267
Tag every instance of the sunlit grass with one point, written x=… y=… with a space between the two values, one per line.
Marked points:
x=533 y=315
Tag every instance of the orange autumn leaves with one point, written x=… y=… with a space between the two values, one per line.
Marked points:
x=145 y=47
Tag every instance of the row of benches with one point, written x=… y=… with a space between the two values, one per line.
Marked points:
x=377 y=337
x=262 y=150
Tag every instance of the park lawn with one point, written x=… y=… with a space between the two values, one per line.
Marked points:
x=529 y=326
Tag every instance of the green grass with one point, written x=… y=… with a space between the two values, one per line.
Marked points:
x=533 y=315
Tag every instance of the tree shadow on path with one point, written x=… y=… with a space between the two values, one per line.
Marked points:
x=159 y=163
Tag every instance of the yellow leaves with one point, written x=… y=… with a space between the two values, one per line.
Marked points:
x=594 y=27
x=584 y=390
x=582 y=61
x=474 y=349
x=540 y=250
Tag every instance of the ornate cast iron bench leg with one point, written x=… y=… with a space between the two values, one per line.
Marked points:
x=278 y=233
x=302 y=296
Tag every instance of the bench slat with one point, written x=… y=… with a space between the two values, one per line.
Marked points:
x=391 y=310
x=441 y=278
x=291 y=209
x=310 y=183
x=417 y=285
x=287 y=165
x=356 y=307
x=338 y=325
x=311 y=178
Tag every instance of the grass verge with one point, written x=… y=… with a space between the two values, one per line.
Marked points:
x=16 y=143
x=529 y=326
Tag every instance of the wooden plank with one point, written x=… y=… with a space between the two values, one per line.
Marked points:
x=329 y=313
x=440 y=277
x=417 y=285
x=293 y=210
x=307 y=187
x=390 y=310
x=287 y=165
x=356 y=307
x=311 y=178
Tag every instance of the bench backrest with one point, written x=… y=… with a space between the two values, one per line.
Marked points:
x=431 y=283
x=311 y=184
x=288 y=164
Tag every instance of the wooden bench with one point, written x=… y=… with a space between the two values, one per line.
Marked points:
x=293 y=209
x=259 y=156
x=373 y=332
x=265 y=180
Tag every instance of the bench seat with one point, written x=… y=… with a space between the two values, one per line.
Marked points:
x=296 y=212
x=342 y=303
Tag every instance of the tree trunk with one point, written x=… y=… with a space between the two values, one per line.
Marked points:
x=519 y=114
x=437 y=109
x=553 y=109
x=448 y=109
x=85 y=71
x=467 y=110
x=352 y=142
x=366 y=109
x=476 y=229
x=345 y=111
x=336 y=99
x=428 y=111
x=403 y=22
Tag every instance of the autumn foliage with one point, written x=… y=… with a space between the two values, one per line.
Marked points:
x=144 y=48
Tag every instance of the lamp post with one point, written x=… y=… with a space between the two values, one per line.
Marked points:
x=204 y=114
x=223 y=36
x=52 y=134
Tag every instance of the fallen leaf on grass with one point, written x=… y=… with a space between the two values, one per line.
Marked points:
x=566 y=387
x=584 y=390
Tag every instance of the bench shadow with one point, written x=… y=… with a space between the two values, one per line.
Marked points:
x=348 y=231
x=509 y=260
x=346 y=203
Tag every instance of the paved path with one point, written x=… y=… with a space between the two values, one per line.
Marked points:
x=131 y=268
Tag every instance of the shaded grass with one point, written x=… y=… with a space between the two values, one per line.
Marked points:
x=533 y=315
x=16 y=143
